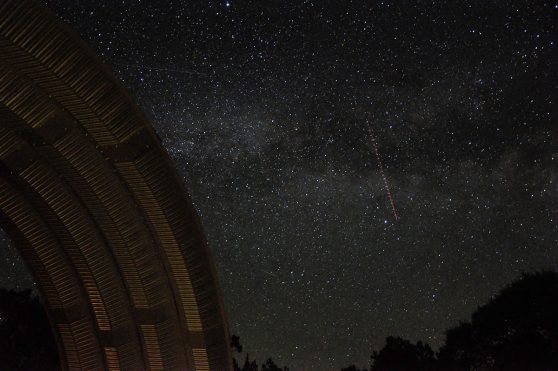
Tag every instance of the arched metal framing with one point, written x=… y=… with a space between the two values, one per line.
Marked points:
x=94 y=204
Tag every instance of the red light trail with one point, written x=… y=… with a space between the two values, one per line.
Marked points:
x=384 y=177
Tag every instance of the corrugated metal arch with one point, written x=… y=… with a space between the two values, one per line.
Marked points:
x=94 y=204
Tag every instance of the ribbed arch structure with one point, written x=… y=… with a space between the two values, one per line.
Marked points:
x=93 y=203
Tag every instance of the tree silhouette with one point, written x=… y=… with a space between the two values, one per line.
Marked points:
x=269 y=365
x=401 y=355
x=458 y=353
x=353 y=368
x=249 y=366
x=235 y=343
x=516 y=330
x=26 y=340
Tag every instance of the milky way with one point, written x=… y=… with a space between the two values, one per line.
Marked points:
x=264 y=107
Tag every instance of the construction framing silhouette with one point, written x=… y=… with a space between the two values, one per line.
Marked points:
x=92 y=201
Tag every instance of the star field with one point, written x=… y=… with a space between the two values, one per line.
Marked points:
x=266 y=107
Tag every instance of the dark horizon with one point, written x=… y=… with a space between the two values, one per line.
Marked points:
x=266 y=108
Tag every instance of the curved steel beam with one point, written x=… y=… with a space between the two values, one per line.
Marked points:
x=93 y=202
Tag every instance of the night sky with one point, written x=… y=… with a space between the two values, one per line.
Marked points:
x=273 y=111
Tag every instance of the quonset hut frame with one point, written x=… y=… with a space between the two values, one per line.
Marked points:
x=92 y=201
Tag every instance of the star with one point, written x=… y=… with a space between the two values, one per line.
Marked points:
x=269 y=132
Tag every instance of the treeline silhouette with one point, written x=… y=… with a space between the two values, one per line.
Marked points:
x=517 y=330
x=249 y=365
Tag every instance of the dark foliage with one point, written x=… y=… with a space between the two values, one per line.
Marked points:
x=516 y=330
x=400 y=355
x=353 y=368
x=249 y=365
x=269 y=365
x=235 y=343
x=26 y=340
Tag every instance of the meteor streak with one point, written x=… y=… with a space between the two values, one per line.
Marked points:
x=384 y=177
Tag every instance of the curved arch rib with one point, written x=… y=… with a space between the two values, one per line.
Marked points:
x=94 y=203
